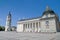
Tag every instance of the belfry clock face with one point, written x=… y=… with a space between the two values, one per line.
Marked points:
x=9 y=18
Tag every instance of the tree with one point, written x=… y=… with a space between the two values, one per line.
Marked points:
x=2 y=28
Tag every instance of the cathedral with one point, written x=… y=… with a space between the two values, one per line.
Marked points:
x=48 y=22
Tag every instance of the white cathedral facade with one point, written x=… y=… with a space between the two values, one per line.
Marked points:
x=48 y=22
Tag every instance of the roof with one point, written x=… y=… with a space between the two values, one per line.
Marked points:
x=47 y=11
x=29 y=18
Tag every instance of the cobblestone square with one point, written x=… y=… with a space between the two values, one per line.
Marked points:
x=29 y=36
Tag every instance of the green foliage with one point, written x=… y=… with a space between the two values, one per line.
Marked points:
x=2 y=28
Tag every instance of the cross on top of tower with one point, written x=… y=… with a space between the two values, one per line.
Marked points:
x=9 y=13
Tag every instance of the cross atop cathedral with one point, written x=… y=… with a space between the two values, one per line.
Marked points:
x=48 y=8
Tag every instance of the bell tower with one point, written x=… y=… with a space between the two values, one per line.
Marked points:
x=8 y=22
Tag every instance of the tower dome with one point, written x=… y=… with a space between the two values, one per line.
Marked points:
x=9 y=14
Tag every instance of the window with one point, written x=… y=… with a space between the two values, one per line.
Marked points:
x=47 y=24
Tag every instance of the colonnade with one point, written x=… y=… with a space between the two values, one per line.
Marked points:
x=32 y=27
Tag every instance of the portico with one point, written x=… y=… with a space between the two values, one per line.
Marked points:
x=31 y=27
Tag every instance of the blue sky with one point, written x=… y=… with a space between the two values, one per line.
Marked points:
x=26 y=9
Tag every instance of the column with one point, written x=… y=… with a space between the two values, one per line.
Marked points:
x=35 y=26
x=29 y=27
x=32 y=27
x=38 y=26
x=23 y=27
